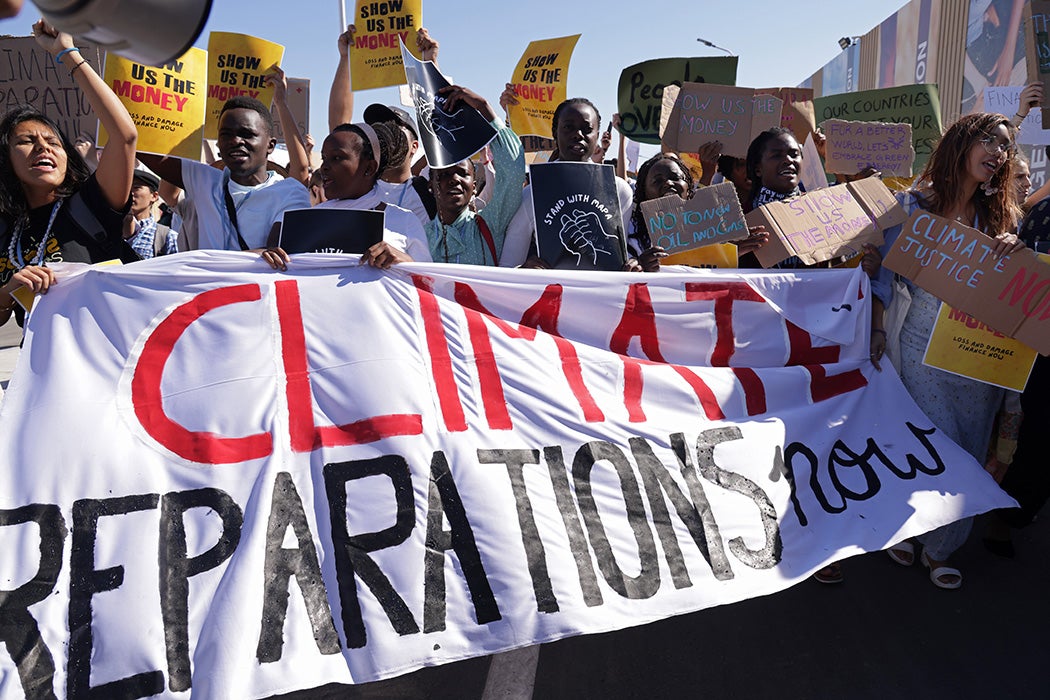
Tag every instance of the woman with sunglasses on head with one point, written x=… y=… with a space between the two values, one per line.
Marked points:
x=969 y=179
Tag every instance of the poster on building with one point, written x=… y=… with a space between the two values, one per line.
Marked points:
x=995 y=50
x=167 y=103
x=540 y=83
x=640 y=89
x=908 y=45
x=375 y=59
x=237 y=64
x=30 y=76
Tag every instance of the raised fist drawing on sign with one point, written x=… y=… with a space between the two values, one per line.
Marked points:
x=581 y=234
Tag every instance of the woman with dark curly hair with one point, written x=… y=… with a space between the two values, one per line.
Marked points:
x=52 y=208
x=969 y=179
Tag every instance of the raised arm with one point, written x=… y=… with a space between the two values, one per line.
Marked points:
x=621 y=149
x=427 y=45
x=341 y=97
x=117 y=163
x=167 y=168
x=298 y=159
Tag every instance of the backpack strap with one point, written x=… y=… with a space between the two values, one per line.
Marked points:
x=160 y=240
x=87 y=222
x=422 y=188
x=486 y=233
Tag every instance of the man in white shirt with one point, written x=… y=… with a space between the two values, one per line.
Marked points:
x=238 y=207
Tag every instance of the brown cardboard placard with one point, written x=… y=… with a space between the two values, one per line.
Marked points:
x=956 y=264
x=713 y=215
x=705 y=112
x=298 y=96
x=30 y=76
x=854 y=146
x=826 y=224
x=797 y=112
x=1036 y=23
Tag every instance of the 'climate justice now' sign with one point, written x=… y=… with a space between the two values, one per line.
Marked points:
x=509 y=459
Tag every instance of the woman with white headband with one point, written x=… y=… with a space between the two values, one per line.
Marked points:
x=352 y=158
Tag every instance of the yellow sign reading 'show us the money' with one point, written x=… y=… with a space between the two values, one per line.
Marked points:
x=962 y=345
x=540 y=81
x=375 y=57
x=166 y=102
x=237 y=64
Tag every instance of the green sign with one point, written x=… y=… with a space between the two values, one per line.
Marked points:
x=641 y=88
x=918 y=105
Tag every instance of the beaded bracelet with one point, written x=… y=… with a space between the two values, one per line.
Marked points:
x=63 y=52
x=74 y=68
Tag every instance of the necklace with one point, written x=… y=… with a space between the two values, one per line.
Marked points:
x=14 y=246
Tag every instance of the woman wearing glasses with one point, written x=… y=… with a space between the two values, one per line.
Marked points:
x=969 y=178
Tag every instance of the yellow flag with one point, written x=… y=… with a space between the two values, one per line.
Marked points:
x=236 y=66
x=540 y=83
x=166 y=102
x=375 y=57
x=961 y=344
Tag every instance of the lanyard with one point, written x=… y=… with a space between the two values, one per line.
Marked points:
x=14 y=247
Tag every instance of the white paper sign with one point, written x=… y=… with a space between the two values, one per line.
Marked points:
x=1006 y=100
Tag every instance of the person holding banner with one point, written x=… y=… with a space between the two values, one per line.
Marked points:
x=52 y=209
x=576 y=127
x=969 y=178
x=238 y=207
x=458 y=234
x=352 y=157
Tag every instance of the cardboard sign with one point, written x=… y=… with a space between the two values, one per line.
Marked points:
x=298 y=96
x=325 y=230
x=854 y=146
x=166 y=103
x=710 y=257
x=448 y=137
x=822 y=225
x=962 y=345
x=1036 y=23
x=639 y=92
x=375 y=59
x=535 y=144
x=1007 y=100
x=797 y=113
x=30 y=76
x=955 y=263
x=713 y=215
x=918 y=105
x=236 y=66
x=702 y=113
x=578 y=221
x=539 y=81
x=812 y=176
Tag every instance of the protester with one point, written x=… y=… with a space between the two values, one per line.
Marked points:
x=294 y=142
x=969 y=179
x=146 y=236
x=665 y=174
x=352 y=157
x=52 y=209
x=238 y=207
x=575 y=129
x=735 y=170
x=458 y=234
x=398 y=184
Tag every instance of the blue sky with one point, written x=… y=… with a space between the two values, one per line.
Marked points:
x=779 y=43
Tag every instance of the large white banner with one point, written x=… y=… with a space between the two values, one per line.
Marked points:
x=227 y=481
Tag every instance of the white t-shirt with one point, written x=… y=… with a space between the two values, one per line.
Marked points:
x=401 y=227
x=522 y=228
x=403 y=195
x=258 y=207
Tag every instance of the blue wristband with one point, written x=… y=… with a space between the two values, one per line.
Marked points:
x=58 y=58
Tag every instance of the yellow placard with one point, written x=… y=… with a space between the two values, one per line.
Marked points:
x=540 y=83
x=962 y=345
x=166 y=103
x=236 y=66
x=719 y=255
x=375 y=59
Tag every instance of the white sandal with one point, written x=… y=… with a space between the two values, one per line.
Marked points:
x=937 y=574
x=902 y=553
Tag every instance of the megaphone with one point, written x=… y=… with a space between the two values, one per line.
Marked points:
x=153 y=32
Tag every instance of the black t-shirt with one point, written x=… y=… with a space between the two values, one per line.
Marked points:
x=69 y=241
